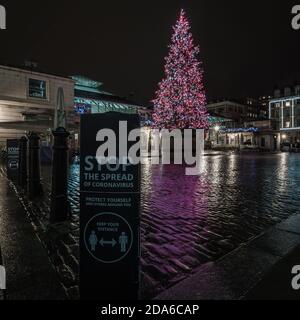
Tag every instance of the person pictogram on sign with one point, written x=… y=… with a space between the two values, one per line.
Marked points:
x=93 y=241
x=123 y=240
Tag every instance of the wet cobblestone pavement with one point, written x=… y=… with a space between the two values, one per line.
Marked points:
x=191 y=220
x=188 y=221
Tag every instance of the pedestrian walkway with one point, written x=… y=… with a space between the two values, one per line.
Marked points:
x=259 y=269
x=30 y=275
x=277 y=285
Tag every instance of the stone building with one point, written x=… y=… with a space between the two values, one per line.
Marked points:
x=28 y=99
x=258 y=134
x=239 y=110
x=284 y=109
x=247 y=125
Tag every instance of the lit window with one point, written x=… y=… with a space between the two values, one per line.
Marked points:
x=82 y=108
x=37 y=89
x=288 y=104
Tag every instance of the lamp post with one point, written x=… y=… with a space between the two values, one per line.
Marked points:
x=217 y=130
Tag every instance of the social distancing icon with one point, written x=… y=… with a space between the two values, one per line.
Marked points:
x=108 y=237
x=93 y=240
x=123 y=240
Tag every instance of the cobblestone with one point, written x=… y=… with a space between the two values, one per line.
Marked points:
x=186 y=221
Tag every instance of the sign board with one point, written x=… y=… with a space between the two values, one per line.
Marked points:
x=109 y=214
x=115 y=240
x=12 y=161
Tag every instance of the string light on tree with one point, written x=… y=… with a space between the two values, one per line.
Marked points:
x=180 y=100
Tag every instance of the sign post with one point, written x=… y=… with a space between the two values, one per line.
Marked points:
x=12 y=163
x=109 y=213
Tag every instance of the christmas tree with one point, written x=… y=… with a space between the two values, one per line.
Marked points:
x=180 y=100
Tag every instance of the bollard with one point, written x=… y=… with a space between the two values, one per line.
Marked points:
x=22 y=176
x=149 y=147
x=35 y=188
x=59 y=191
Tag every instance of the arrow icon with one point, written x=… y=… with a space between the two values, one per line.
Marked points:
x=113 y=242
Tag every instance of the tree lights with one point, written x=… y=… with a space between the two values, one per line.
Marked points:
x=180 y=100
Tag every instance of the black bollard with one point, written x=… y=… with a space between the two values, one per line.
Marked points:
x=59 y=192
x=22 y=176
x=35 y=188
x=149 y=149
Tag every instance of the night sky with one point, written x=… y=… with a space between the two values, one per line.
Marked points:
x=247 y=47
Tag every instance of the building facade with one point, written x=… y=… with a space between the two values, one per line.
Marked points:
x=247 y=125
x=28 y=100
x=255 y=135
x=239 y=110
x=90 y=97
x=284 y=110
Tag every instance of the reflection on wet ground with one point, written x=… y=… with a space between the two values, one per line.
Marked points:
x=190 y=220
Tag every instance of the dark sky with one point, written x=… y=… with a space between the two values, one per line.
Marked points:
x=247 y=47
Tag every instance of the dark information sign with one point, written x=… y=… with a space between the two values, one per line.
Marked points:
x=109 y=211
x=12 y=162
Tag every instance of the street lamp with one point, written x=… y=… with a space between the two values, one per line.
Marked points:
x=217 y=129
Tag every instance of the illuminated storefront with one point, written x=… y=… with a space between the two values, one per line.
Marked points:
x=286 y=112
x=253 y=135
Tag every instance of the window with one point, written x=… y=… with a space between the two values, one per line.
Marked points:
x=277 y=93
x=287 y=91
x=37 y=89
